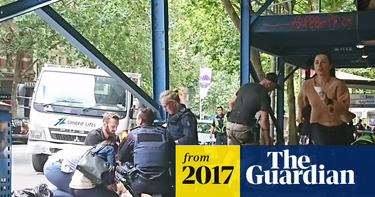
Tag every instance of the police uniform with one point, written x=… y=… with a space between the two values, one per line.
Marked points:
x=151 y=150
x=220 y=132
x=183 y=126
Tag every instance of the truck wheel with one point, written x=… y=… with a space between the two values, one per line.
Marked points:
x=39 y=161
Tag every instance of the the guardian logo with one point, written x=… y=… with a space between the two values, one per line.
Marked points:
x=299 y=171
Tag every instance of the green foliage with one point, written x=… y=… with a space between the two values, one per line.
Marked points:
x=204 y=28
x=222 y=88
x=204 y=127
x=363 y=72
x=201 y=34
x=26 y=33
x=118 y=29
x=327 y=6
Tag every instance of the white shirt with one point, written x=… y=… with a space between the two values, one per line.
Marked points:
x=69 y=157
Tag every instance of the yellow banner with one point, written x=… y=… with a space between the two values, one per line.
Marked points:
x=203 y=171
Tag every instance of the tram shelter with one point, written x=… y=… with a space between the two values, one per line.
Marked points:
x=293 y=39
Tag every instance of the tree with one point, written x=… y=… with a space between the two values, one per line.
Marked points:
x=200 y=35
x=215 y=99
x=125 y=42
x=118 y=29
x=254 y=55
x=26 y=35
x=301 y=7
x=293 y=136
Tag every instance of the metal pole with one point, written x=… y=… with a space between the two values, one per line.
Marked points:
x=273 y=97
x=280 y=102
x=18 y=8
x=245 y=41
x=160 y=50
x=261 y=10
x=200 y=109
x=320 y=6
x=200 y=94
x=58 y=23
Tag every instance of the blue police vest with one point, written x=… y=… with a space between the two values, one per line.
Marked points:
x=150 y=147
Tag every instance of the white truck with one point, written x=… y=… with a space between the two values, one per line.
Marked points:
x=67 y=103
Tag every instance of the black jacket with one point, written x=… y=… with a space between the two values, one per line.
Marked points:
x=183 y=127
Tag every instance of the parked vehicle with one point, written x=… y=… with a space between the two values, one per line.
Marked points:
x=68 y=102
x=204 y=127
x=20 y=130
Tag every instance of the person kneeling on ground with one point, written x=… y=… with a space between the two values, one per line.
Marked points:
x=60 y=167
x=151 y=150
x=82 y=186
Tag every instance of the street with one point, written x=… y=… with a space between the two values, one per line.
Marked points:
x=23 y=174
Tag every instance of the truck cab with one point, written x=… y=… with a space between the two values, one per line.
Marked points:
x=69 y=102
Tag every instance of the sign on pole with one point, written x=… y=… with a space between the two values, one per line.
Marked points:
x=204 y=81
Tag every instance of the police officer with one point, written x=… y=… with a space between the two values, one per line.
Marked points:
x=181 y=122
x=218 y=127
x=151 y=150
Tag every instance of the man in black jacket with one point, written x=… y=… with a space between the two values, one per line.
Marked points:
x=251 y=98
x=106 y=132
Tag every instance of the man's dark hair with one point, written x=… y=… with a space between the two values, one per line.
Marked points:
x=219 y=107
x=147 y=115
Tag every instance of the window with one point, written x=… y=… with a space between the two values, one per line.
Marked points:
x=80 y=90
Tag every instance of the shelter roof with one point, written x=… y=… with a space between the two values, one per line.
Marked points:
x=297 y=38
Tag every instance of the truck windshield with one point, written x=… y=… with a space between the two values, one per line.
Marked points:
x=80 y=90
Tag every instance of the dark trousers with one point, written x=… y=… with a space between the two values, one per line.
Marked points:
x=53 y=173
x=336 y=135
x=221 y=139
x=152 y=187
x=98 y=191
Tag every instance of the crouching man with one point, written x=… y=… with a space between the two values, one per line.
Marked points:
x=60 y=168
x=151 y=151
